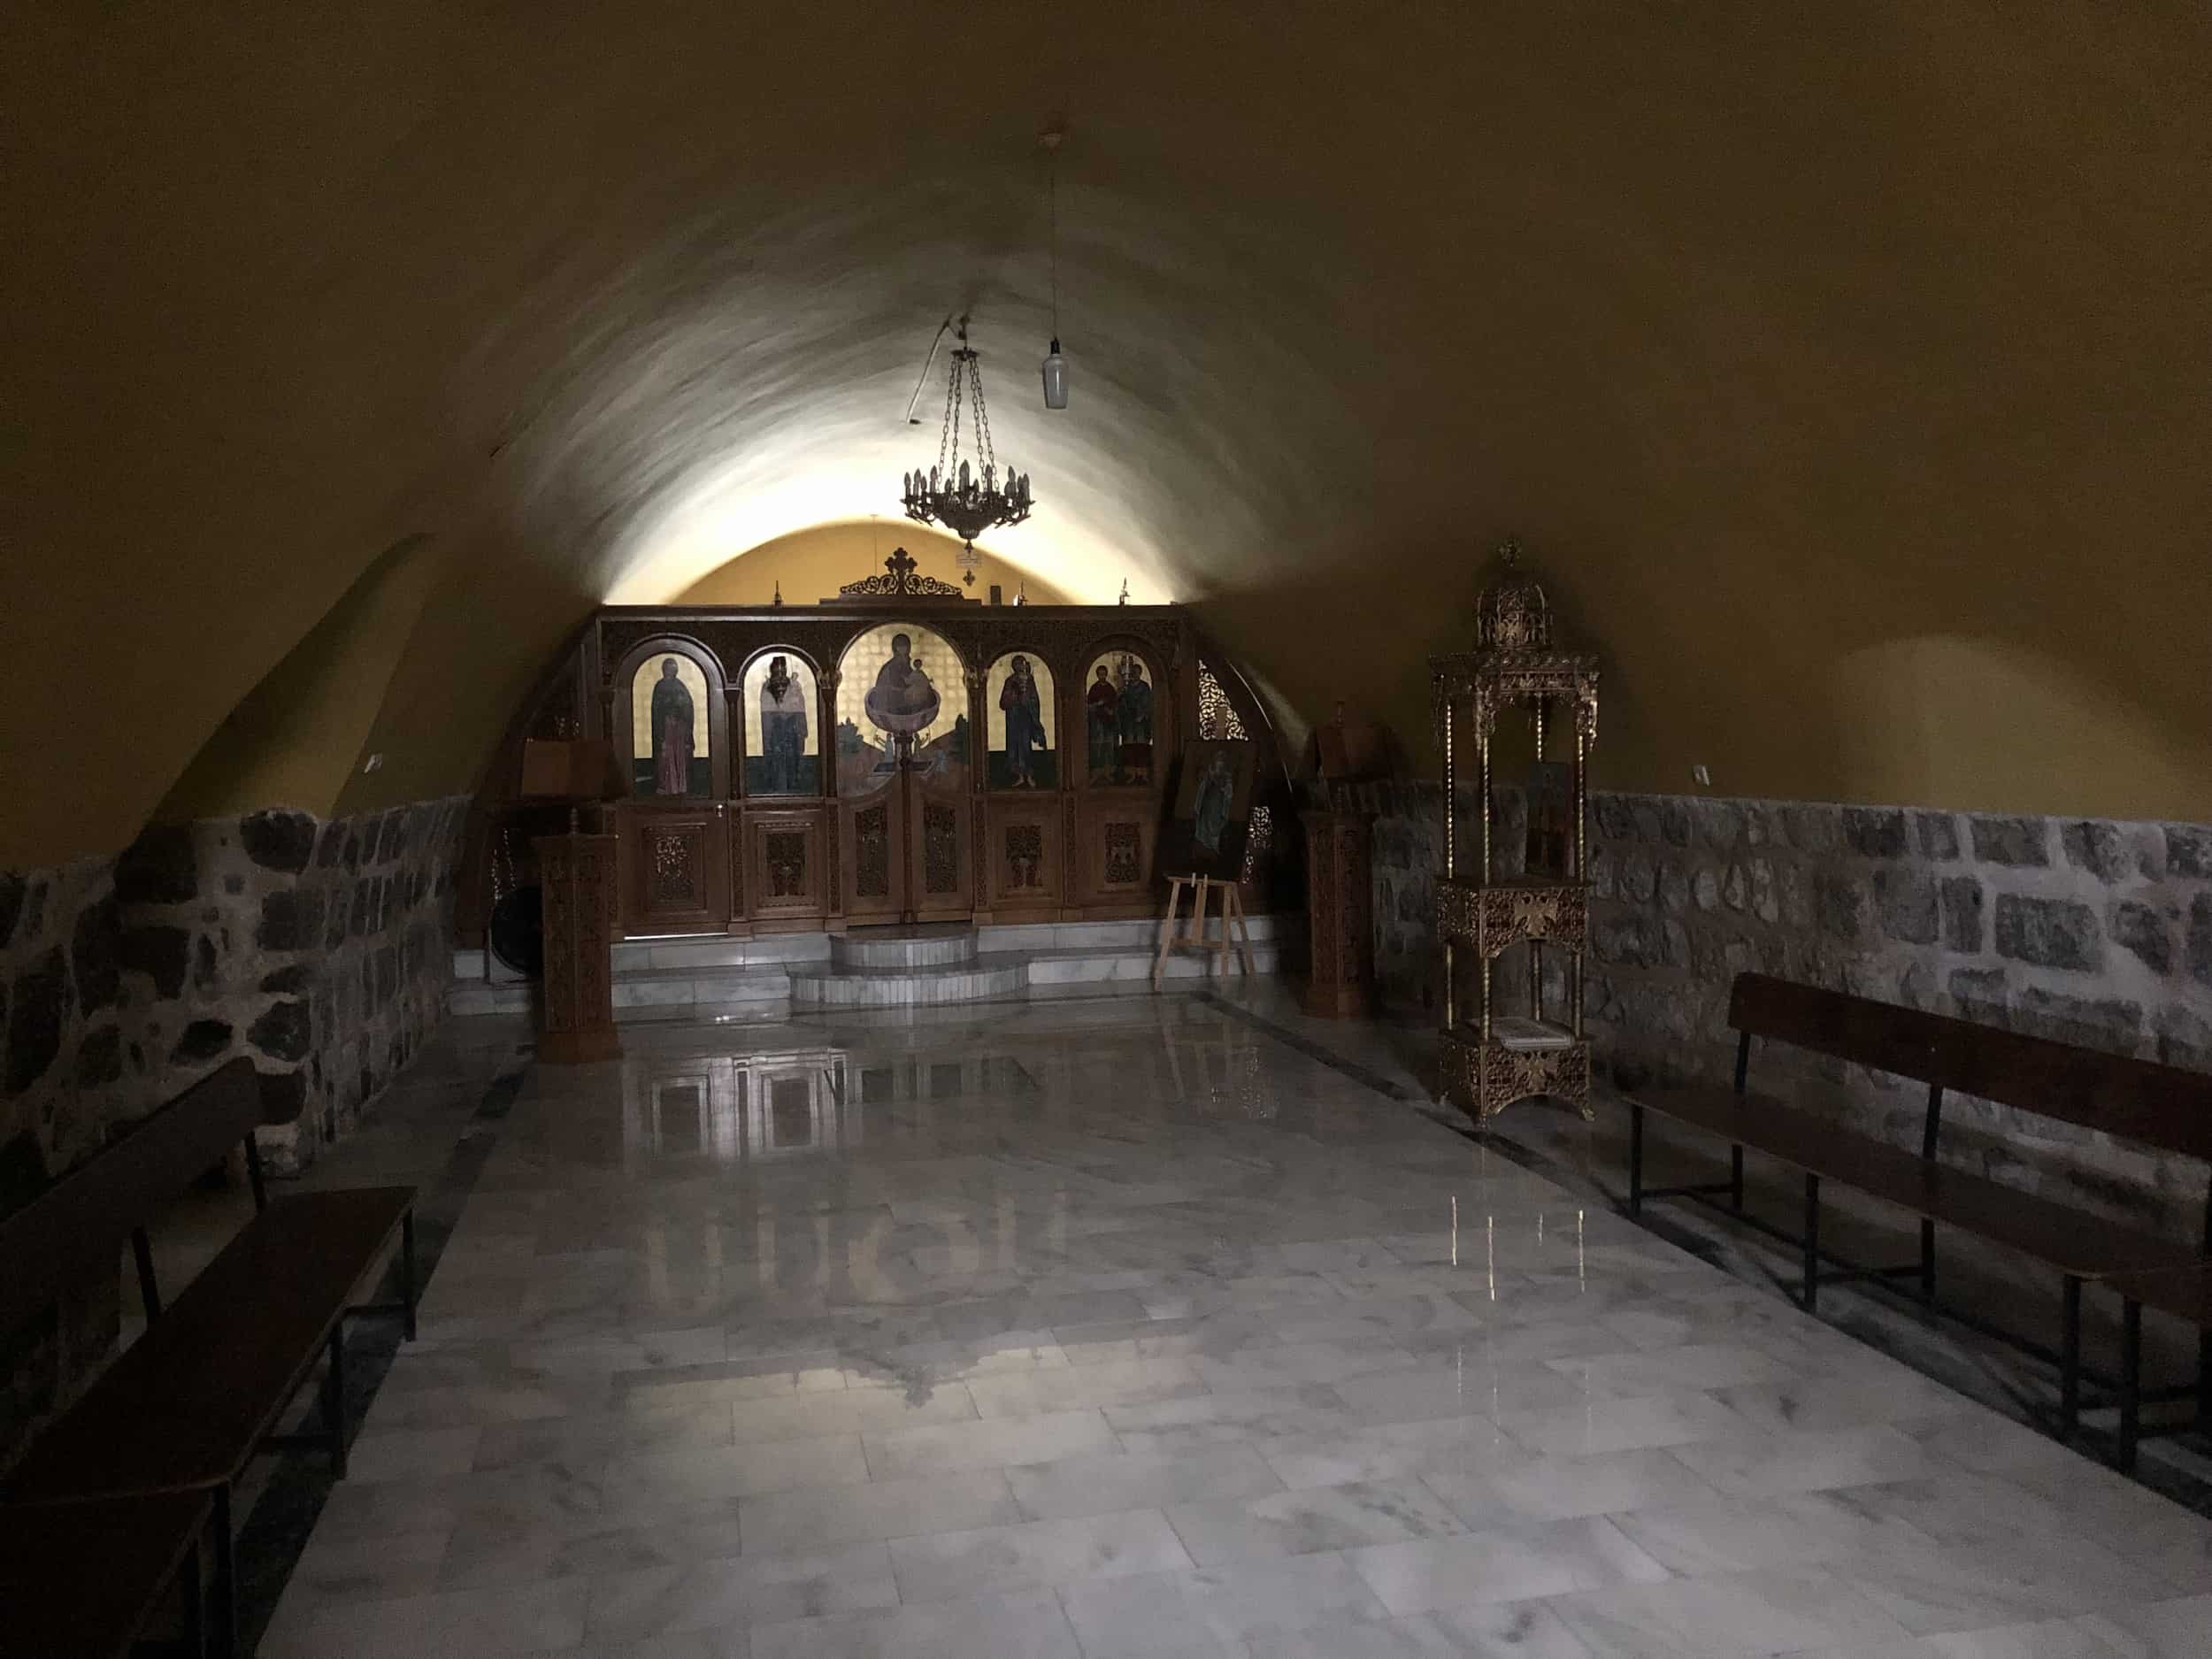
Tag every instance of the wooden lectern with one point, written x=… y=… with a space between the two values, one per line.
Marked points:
x=1339 y=910
x=576 y=873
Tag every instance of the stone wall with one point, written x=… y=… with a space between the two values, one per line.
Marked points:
x=319 y=948
x=65 y=1075
x=2091 y=931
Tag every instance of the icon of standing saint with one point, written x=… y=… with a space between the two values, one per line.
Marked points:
x=1024 y=709
x=783 y=727
x=672 y=716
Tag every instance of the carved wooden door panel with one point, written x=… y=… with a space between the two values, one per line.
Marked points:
x=1021 y=850
x=675 y=869
x=783 y=862
x=872 y=853
x=940 y=848
x=1118 y=827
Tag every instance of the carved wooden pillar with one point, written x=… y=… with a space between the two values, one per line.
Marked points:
x=1339 y=910
x=576 y=1012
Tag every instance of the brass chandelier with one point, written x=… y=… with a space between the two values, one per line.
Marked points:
x=967 y=496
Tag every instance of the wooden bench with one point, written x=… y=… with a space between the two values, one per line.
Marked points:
x=185 y=1409
x=87 y=1578
x=2159 y=1106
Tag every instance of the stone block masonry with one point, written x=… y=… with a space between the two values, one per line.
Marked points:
x=2092 y=931
x=320 y=948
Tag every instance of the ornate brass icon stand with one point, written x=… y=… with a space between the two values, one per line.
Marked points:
x=1487 y=1064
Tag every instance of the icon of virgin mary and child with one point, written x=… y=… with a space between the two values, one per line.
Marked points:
x=902 y=700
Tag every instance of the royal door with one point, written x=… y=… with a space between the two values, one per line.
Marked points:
x=905 y=806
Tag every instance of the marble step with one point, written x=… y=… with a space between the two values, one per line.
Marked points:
x=714 y=976
x=718 y=950
x=1132 y=969
x=697 y=993
x=1143 y=933
x=644 y=995
x=977 y=981
x=924 y=947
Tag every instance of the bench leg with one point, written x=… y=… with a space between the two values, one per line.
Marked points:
x=2204 y=1381
x=194 y=1603
x=143 y=1258
x=335 y=1401
x=1812 y=1240
x=224 y=1635
x=1735 y=1178
x=253 y=1173
x=407 y=1272
x=2070 y=1362
x=1927 y=1260
x=1635 y=1159
x=2131 y=1380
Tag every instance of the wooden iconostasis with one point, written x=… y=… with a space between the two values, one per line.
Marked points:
x=879 y=760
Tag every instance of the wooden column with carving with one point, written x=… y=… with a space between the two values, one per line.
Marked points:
x=576 y=1011
x=1338 y=912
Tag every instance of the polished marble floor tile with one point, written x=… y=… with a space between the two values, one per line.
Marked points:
x=715 y=1595
x=953 y=1566
x=1027 y=1339
x=1107 y=1482
x=1769 y=1610
x=1217 y=1609
x=1504 y=1564
x=2158 y=1630
x=1030 y=1626
x=812 y=1518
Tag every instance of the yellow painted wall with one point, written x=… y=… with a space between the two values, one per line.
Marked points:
x=813 y=564
x=1844 y=370
x=295 y=740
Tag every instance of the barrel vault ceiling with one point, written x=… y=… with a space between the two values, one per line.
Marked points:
x=1843 y=368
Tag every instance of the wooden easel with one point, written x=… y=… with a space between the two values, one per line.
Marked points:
x=1194 y=936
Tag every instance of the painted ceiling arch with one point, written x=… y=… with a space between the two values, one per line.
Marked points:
x=1778 y=337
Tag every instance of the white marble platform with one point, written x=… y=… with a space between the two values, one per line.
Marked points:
x=920 y=946
x=1121 y=1330
x=716 y=977
x=976 y=980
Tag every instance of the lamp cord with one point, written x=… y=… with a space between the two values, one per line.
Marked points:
x=1053 y=175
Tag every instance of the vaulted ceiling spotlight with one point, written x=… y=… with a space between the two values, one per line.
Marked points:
x=967 y=497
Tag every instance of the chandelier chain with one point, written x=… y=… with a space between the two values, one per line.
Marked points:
x=968 y=505
x=944 y=432
x=983 y=455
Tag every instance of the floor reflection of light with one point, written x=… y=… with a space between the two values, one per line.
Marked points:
x=1455 y=1229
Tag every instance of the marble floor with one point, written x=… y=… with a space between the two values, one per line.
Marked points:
x=1132 y=1329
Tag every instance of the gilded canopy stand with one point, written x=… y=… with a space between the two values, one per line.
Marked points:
x=1542 y=900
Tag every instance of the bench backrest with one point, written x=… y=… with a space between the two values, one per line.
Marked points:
x=2161 y=1106
x=72 y=1232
